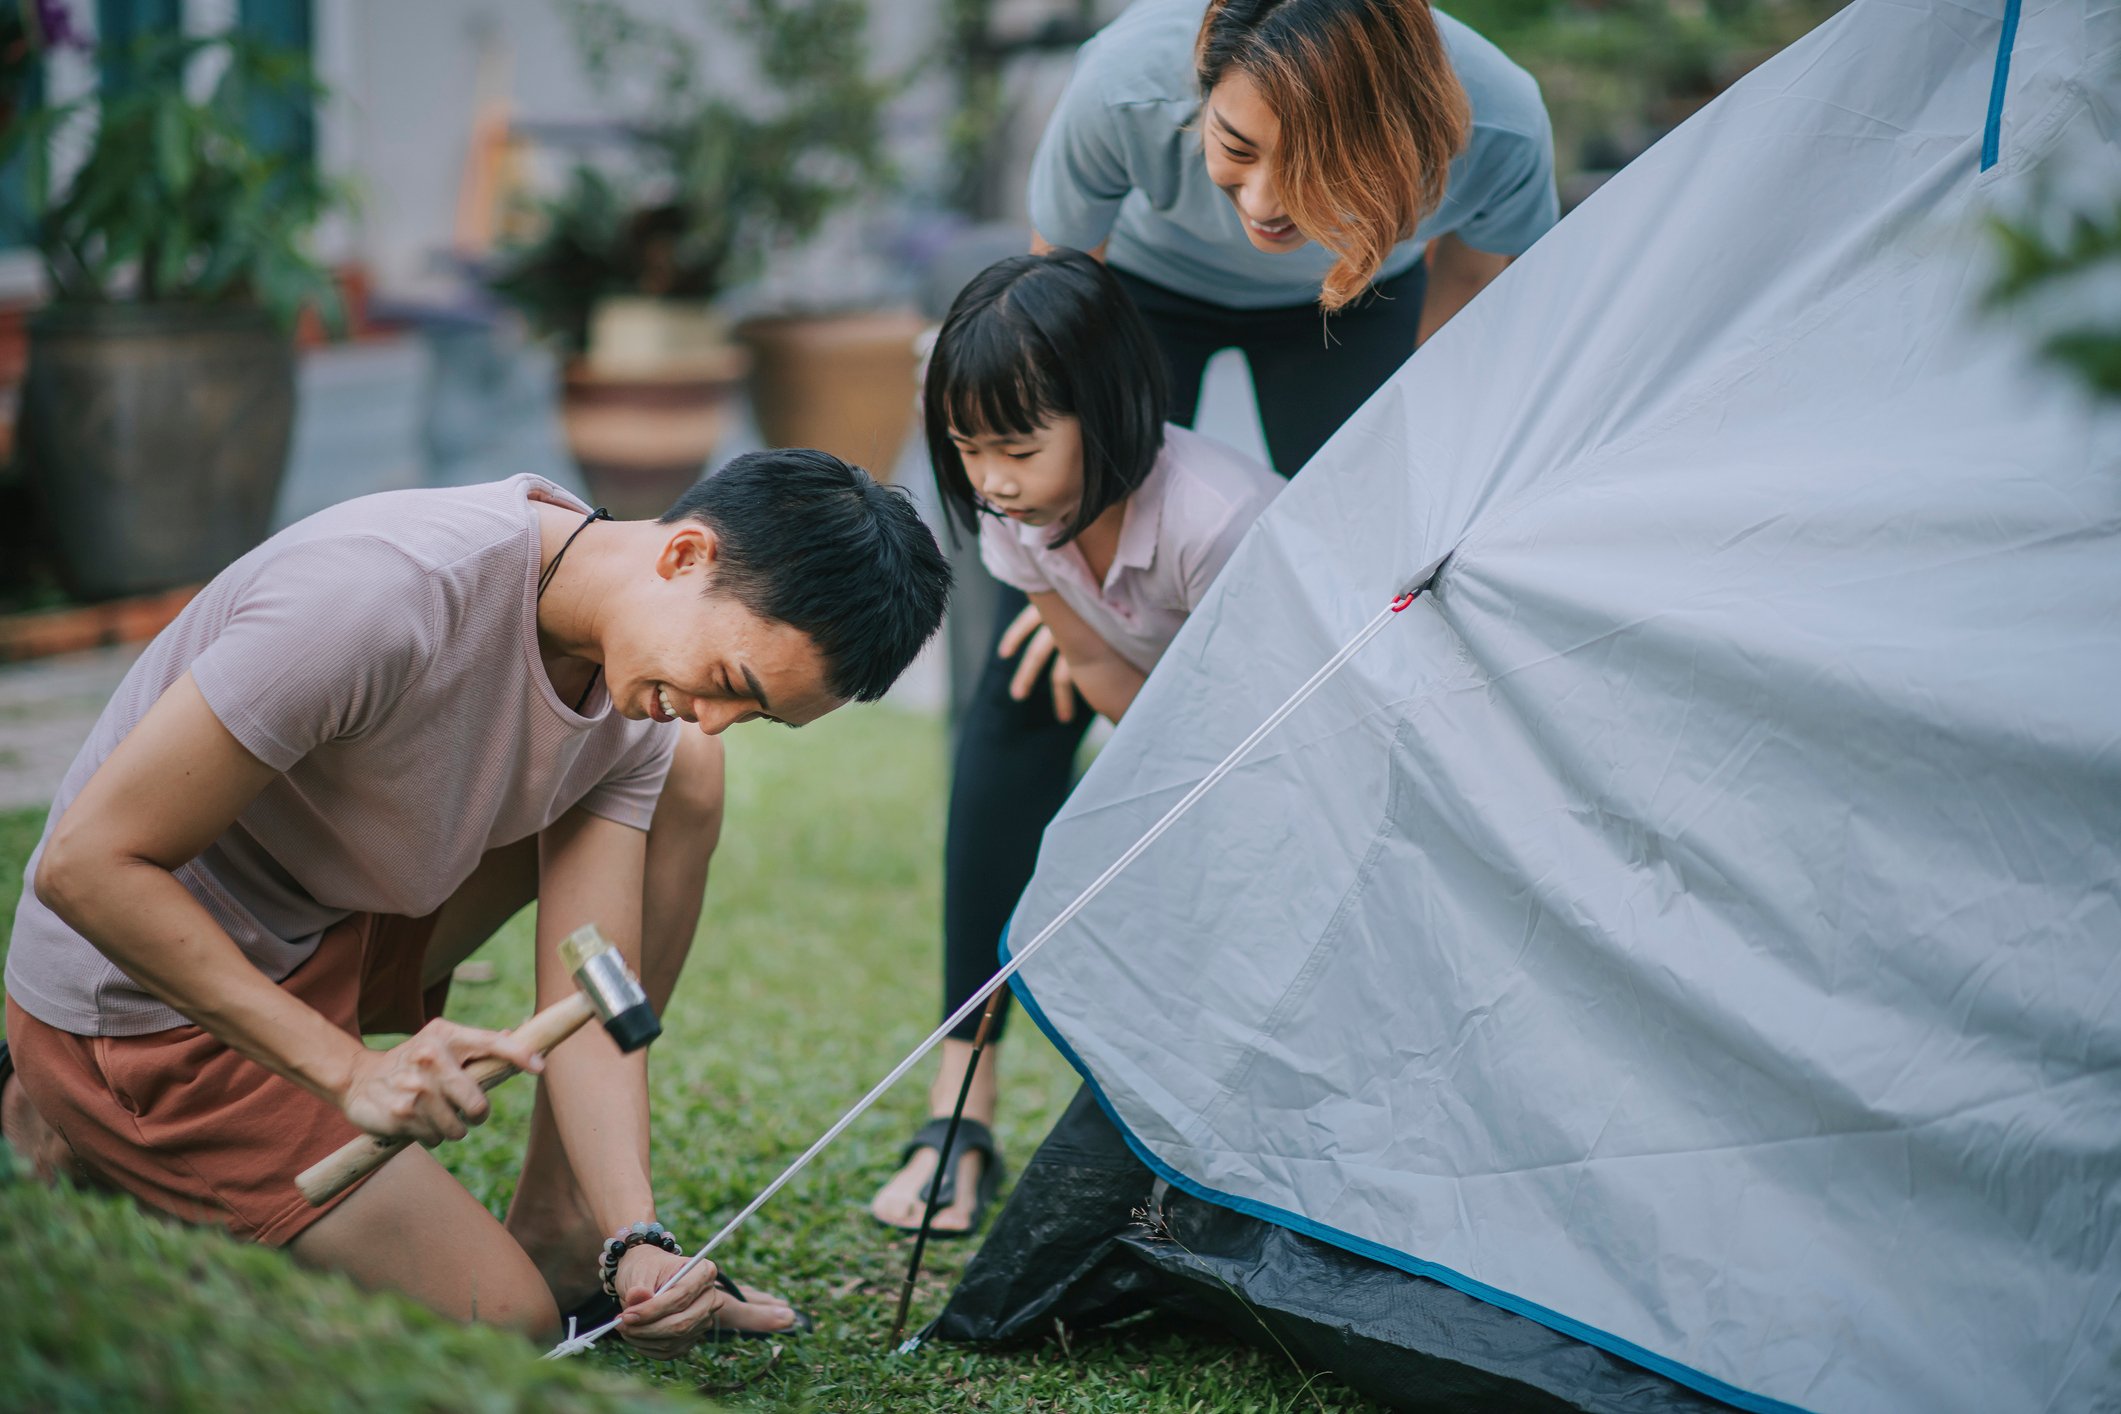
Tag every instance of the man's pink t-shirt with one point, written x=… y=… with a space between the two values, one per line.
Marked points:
x=382 y=656
x=1180 y=525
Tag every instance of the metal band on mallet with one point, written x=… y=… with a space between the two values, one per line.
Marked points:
x=612 y=988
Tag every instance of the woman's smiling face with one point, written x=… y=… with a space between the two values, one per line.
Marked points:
x=1239 y=135
x=1034 y=477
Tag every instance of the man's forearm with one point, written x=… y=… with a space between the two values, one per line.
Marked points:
x=139 y=916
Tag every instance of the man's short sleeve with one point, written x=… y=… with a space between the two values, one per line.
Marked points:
x=1079 y=175
x=1517 y=202
x=319 y=644
x=629 y=791
x=1008 y=559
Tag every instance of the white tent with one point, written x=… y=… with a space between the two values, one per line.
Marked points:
x=1692 y=924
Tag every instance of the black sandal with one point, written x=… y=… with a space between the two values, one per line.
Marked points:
x=972 y=1138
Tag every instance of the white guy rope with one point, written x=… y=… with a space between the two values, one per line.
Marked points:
x=575 y=1344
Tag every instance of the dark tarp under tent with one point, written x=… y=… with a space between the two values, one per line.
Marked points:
x=1678 y=959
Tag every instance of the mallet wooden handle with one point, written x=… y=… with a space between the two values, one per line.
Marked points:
x=330 y=1176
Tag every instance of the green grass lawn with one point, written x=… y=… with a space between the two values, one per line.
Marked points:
x=816 y=970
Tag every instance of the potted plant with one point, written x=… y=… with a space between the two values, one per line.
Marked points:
x=716 y=185
x=623 y=282
x=159 y=399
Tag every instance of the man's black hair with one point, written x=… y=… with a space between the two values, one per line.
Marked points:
x=1036 y=337
x=817 y=544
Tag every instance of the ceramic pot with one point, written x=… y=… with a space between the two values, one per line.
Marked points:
x=841 y=383
x=154 y=438
x=642 y=436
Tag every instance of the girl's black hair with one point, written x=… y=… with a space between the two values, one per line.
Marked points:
x=1036 y=337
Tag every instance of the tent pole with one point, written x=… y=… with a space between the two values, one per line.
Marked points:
x=575 y=1344
x=935 y=1183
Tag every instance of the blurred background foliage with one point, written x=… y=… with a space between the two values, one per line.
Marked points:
x=176 y=199
x=711 y=185
x=1619 y=74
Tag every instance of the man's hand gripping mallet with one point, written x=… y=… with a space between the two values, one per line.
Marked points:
x=606 y=989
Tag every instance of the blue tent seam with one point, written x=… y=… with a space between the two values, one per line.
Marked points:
x=1414 y=1266
x=1992 y=135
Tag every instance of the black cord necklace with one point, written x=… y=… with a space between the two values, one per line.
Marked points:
x=596 y=671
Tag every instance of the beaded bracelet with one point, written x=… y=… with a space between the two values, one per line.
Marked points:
x=624 y=1241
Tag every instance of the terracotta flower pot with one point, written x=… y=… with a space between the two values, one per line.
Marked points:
x=641 y=437
x=841 y=383
x=155 y=437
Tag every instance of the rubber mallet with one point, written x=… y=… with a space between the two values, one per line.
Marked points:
x=605 y=988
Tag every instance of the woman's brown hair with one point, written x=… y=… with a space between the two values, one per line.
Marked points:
x=1371 y=115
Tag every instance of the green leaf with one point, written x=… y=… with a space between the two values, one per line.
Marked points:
x=173 y=148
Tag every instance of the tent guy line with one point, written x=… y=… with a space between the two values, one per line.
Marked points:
x=575 y=1344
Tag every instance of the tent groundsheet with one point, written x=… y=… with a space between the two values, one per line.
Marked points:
x=1693 y=925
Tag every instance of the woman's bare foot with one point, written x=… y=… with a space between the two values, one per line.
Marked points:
x=901 y=1201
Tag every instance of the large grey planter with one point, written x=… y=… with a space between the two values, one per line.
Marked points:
x=154 y=437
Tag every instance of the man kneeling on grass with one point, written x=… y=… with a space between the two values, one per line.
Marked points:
x=361 y=749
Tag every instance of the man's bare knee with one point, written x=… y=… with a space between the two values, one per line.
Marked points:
x=691 y=802
x=413 y=1229
x=526 y=1309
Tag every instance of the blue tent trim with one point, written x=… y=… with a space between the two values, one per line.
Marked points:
x=1406 y=1262
x=1992 y=135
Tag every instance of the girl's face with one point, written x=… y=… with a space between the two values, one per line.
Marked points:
x=1035 y=478
x=1239 y=133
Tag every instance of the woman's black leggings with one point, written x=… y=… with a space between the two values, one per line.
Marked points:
x=1015 y=761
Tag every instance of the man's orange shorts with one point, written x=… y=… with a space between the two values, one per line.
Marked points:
x=190 y=1127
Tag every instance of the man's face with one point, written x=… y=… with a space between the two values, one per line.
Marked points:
x=682 y=653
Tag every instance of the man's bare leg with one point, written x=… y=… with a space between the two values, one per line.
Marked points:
x=549 y=1215
x=413 y=1228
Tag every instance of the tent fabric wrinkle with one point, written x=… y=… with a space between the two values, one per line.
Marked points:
x=1689 y=928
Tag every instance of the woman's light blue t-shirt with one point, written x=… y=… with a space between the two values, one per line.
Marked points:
x=1121 y=162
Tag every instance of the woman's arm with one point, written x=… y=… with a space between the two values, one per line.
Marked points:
x=1457 y=272
x=1105 y=678
x=171 y=788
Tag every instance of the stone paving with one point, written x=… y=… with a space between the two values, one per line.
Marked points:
x=46 y=710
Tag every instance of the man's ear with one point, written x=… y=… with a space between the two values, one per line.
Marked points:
x=690 y=547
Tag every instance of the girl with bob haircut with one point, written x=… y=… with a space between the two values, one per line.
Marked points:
x=1045 y=407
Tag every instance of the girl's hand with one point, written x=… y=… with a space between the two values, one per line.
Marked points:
x=418 y=1089
x=1029 y=633
x=666 y=1326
